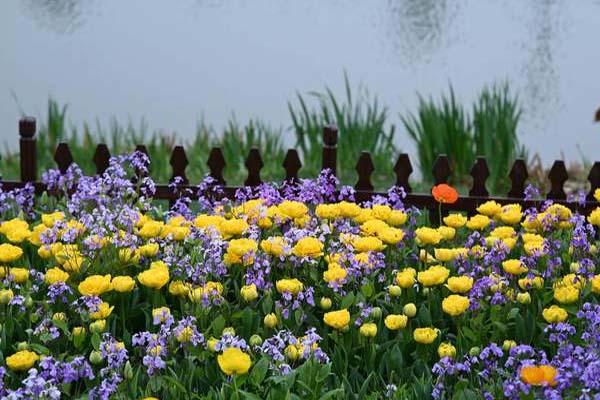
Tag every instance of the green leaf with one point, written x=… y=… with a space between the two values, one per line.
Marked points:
x=332 y=394
x=218 y=325
x=96 y=341
x=347 y=301
x=259 y=371
x=367 y=290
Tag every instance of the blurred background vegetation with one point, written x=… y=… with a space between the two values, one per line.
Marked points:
x=489 y=127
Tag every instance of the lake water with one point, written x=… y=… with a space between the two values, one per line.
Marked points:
x=174 y=62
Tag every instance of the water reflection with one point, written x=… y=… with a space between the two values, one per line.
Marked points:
x=542 y=88
x=60 y=16
x=419 y=28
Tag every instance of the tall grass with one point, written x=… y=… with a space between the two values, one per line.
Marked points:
x=489 y=130
x=362 y=126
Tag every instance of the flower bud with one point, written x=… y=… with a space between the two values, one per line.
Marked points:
x=28 y=302
x=474 y=351
x=376 y=312
x=368 y=330
x=395 y=290
x=574 y=267
x=128 y=371
x=98 y=326
x=325 y=303
x=410 y=310
x=291 y=352
x=95 y=357
x=22 y=346
x=230 y=330
x=255 y=340
x=59 y=316
x=524 y=298
x=78 y=331
x=249 y=293
x=270 y=320
x=6 y=295
x=508 y=344
x=425 y=291
x=211 y=344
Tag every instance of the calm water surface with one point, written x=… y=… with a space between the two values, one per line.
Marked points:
x=173 y=63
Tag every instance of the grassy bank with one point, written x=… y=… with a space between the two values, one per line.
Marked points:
x=489 y=127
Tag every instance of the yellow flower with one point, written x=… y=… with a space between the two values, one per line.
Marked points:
x=308 y=247
x=176 y=233
x=149 y=249
x=185 y=335
x=406 y=277
x=365 y=215
x=447 y=232
x=368 y=329
x=455 y=304
x=337 y=319
x=50 y=219
x=22 y=360
x=503 y=232
x=391 y=235
x=54 y=275
x=597 y=195
x=348 y=210
x=234 y=361
x=275 y=245
x=327 y=211
x=293 y=286
x=478 y=222
x=435 y=275
x=95 y=285
x=19 y=275
x=249 y=292
x=426 y=235
x=128 y=255
x=397 y=218
x=489 y=208
x=511 y=214
x=205 y=221
x=151 y=229
x=381 y=211
x=444 y=255
x=536 y=282
x=514 y=267
x=554 y=314
x=334 y=273
x=395 y=321
x=18 y=235
x=104 y=310
x=425 y=335
x=161 y=314
x=270 y=320
x=123 y=284
x=293 y=209
x=524 y=298
x=459 y=284
x=566 y=294
x=455 y=220
x=6 y=295
x=596 y=284
x=9 y=253
x=156 y=276
x=179 y=288
x=372 y=227
x=233 y=227
x=446 y=350
x=364 y=244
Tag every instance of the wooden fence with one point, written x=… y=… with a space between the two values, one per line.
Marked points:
x=292 y=164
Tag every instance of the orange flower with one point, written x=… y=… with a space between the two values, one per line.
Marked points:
x=539 y=375
x=443 y=193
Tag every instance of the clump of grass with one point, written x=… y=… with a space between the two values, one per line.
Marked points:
x=362 y=126
x=490 y=130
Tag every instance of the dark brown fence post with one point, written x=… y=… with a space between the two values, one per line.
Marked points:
x=364 y=169
x=403 y=169
x=518 y=177
x=292 y=165
x=480 y=172
x=63 y=157
x=101 y=158
x=254 y=164
x=28 y=150
x=330 y=139
x=216 y=165
x=558 y=176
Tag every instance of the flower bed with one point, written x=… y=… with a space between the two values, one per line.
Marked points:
x=290 y=292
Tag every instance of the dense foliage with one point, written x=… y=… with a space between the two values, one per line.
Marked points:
x=292 y=292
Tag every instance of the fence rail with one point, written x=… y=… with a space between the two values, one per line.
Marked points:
x=292 y=164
